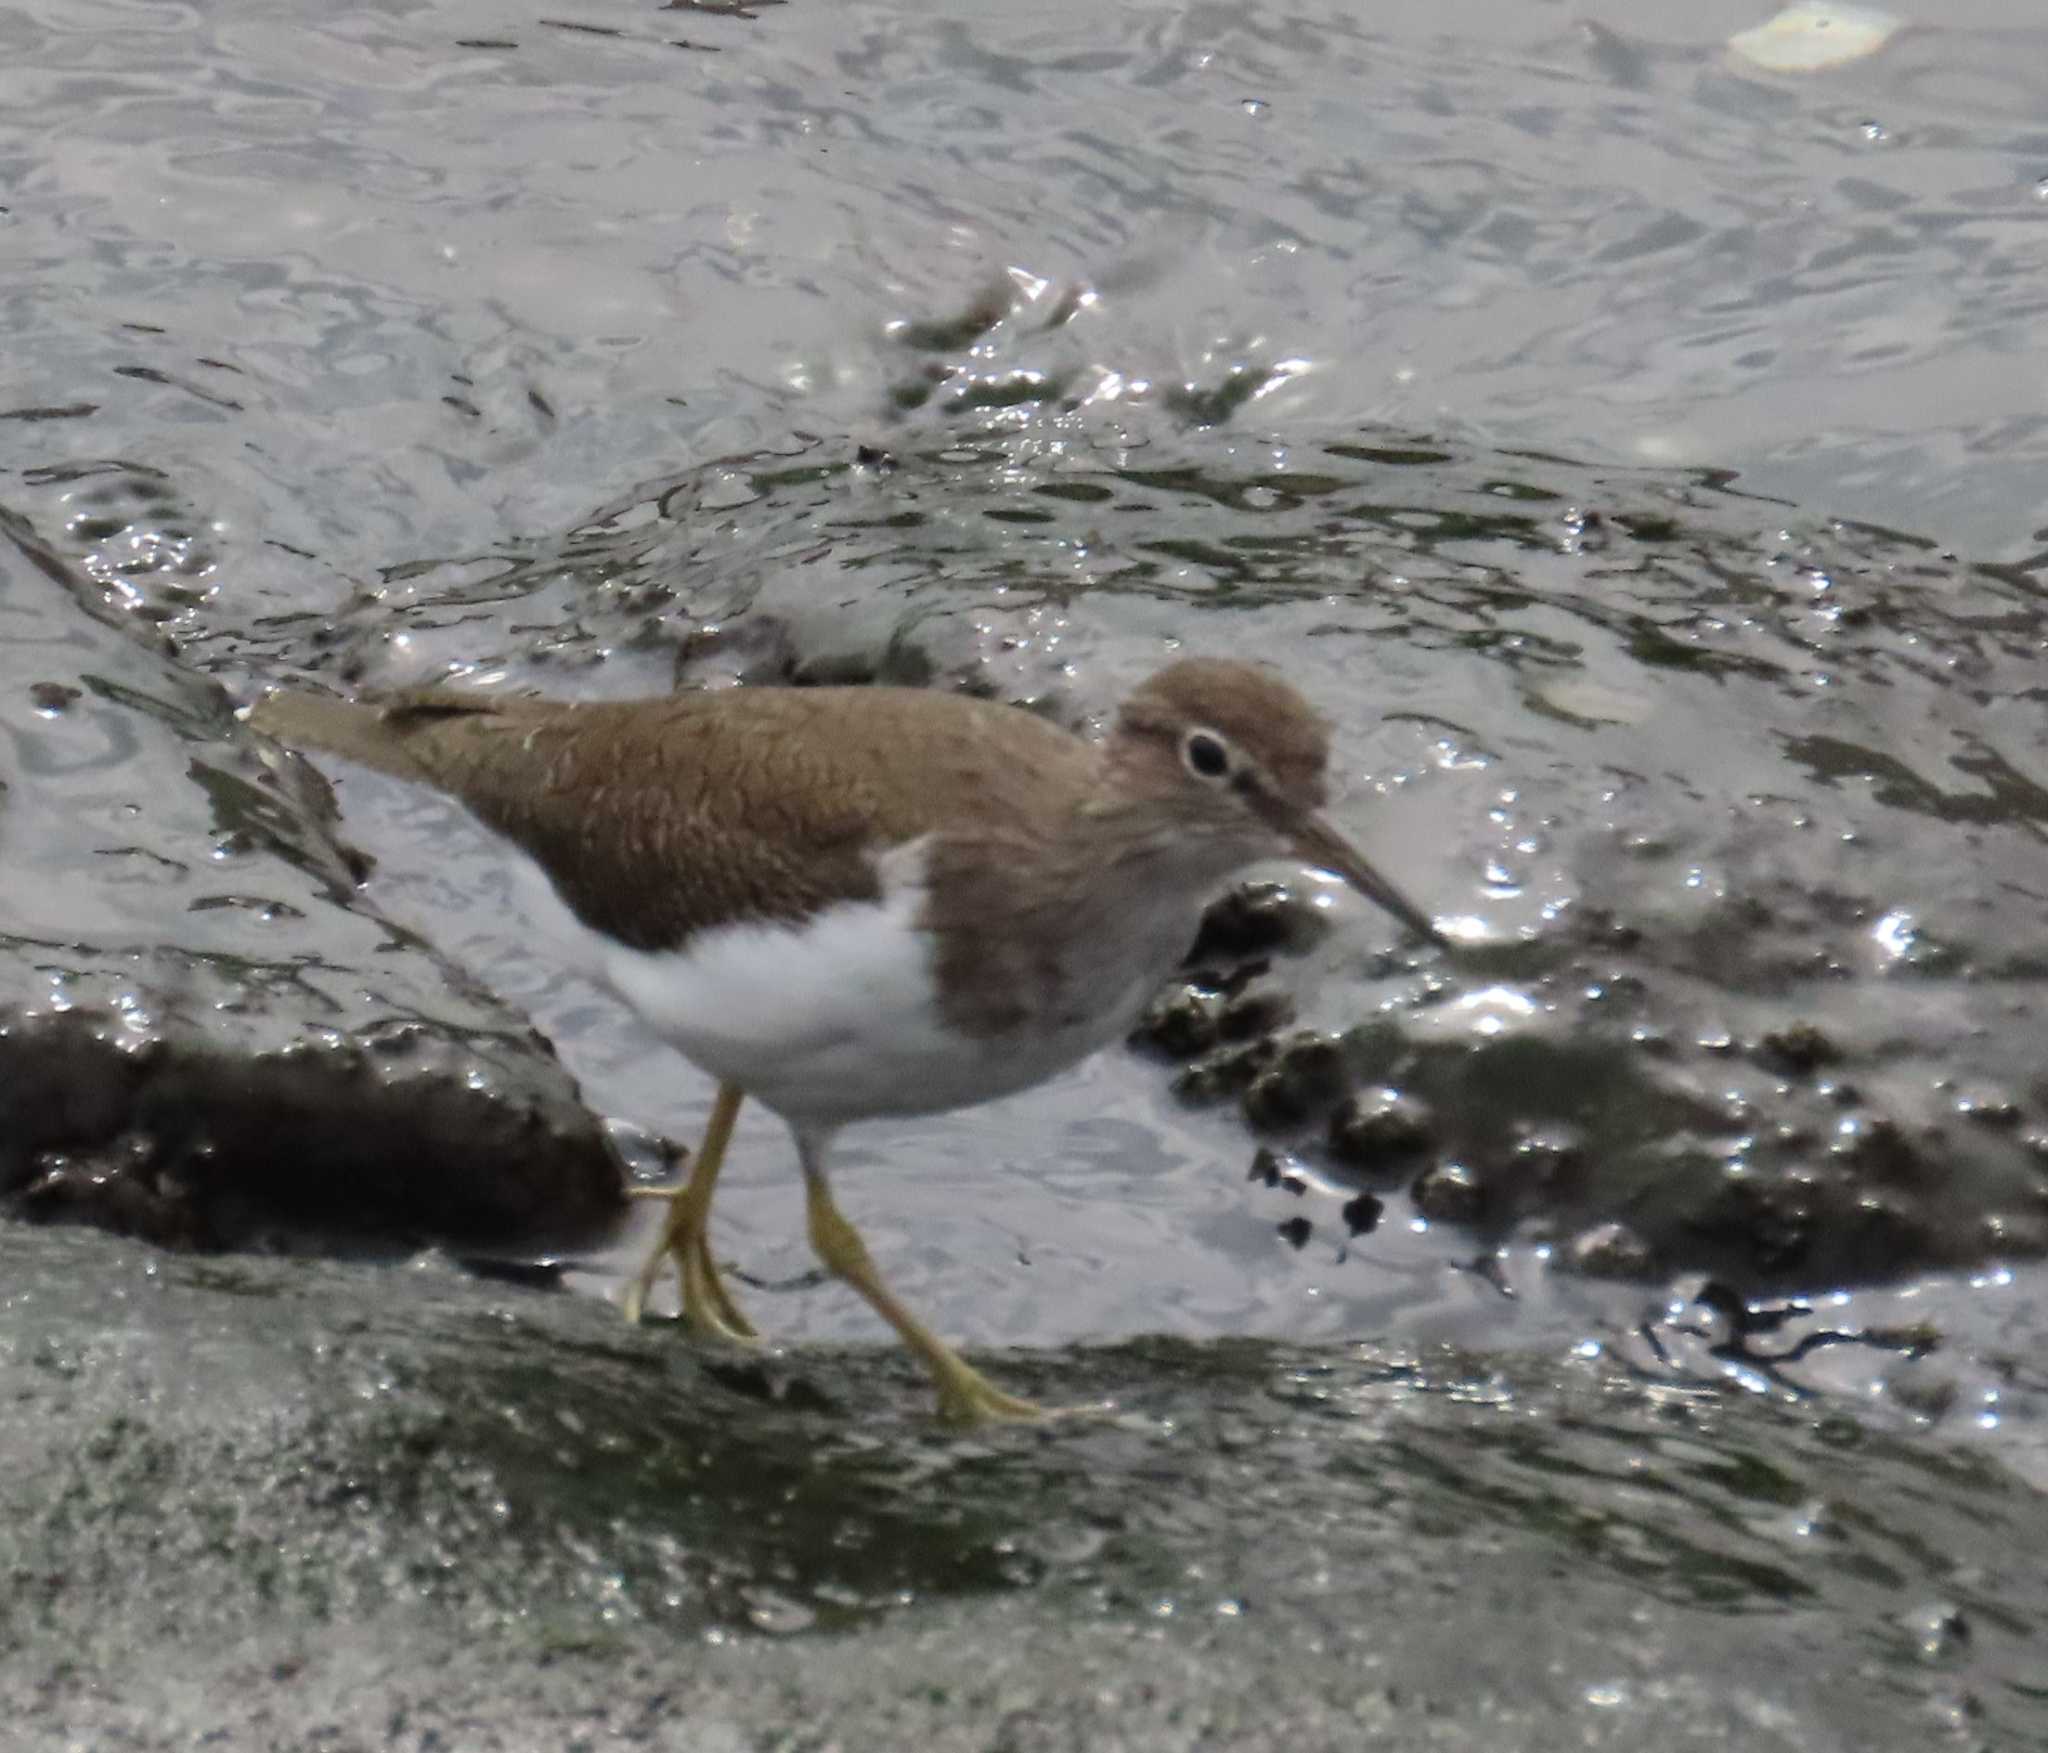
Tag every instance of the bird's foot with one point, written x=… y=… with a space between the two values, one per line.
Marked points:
x=967 y=1398
x=708 y=1307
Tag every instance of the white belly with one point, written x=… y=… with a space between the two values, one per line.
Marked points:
x=834 y=1021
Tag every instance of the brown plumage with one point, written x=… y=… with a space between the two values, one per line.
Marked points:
x=656 y=819
x=1253 y=708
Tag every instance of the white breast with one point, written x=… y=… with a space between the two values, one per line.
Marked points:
x=837 y=1019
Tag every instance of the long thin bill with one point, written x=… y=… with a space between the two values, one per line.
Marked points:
x=1322 y=846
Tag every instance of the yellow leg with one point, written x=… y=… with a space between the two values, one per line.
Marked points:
x=686 y=1235
x=966 y=1396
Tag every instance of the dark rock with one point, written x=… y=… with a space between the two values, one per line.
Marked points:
x=1878 y=1152
x=1362 y=1214
x=1449 y=1193
x=198 y=1011
x=758 y=650
x=1767 y=1224
x=1180 y=1023
x=1295 y=1232
x=1271 y=1168
x=52 y=696
x=1307 y=1073
x=1542 y=1160
x=1610 y=1250
x=121 y=1188
x=1227 y=1073
x=1380 y=1134
x=1989 y=1109
x=1255 y=1013
x=1797 y=1050
x=193 y=1145
x=1253 y=920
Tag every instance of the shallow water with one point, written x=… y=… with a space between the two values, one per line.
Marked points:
x=1637 y=454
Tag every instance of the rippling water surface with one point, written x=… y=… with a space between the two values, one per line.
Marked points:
x=1638 y=453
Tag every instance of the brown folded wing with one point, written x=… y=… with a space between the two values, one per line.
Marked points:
x=659 y=818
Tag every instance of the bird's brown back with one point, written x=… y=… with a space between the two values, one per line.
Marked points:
x=656 y=819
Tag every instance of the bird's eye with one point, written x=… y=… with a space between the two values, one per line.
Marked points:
x=1207 y=755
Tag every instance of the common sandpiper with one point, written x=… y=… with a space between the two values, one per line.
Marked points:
x=851 y=902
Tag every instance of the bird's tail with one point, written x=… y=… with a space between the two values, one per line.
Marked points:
x=369 y=734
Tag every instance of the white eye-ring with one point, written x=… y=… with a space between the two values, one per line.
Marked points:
x=1207 y=755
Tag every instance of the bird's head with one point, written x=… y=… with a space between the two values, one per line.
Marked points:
x=1230 y=753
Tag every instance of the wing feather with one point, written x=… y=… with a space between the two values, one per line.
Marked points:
x=658 y=818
